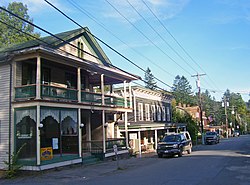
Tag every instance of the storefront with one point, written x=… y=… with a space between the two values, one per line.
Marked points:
x=58 y=131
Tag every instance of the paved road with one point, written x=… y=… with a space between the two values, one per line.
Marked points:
x=227 y=163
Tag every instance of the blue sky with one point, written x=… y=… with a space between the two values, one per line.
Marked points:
x=215 y=33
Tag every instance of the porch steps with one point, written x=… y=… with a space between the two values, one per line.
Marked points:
x=89 y=160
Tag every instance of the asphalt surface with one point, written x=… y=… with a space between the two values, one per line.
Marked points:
x=225 y=163
x=80 y=172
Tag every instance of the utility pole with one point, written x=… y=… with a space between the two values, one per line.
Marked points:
x=200 y=104
x=225 y=106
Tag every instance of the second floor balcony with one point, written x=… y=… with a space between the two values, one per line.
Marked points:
x=54 y=80
x=52 y=92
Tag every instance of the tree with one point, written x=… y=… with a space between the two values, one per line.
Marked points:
x=182 y=90
x=236 y=111
x=149 y=80
x=184 y=117
x=10 y=36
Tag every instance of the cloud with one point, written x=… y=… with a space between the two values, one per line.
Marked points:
x=164 y=9
x=235 y=48
x=233 y=11
x=36 y=6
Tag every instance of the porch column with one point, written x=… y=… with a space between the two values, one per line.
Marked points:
x=130 y=96
x=102 y=88
x=79 y=84
x=156 y=139
x=79 y=133
x=38 y=78
x=139 y=137
x=126 y=127
x=38 y=138
x=125 y=94
x=103 y=132
x=88 y=128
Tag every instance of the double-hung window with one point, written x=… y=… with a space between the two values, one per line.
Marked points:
x=140 y=111
x=153 y=113
x=158 y=113
x=163 y=113
x=147 y=112
x=168 y=114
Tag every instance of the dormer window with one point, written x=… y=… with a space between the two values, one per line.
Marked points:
x=80 y=49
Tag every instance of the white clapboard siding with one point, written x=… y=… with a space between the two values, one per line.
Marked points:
x=4 y=113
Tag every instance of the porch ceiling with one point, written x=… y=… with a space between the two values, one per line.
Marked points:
x=112 y=74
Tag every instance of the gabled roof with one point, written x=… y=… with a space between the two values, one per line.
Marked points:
x=55 y=43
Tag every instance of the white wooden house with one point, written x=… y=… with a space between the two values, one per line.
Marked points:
x=150 y=119
x=55 y=98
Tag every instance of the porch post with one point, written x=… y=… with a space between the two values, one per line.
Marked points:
x=79 y=83
x=38 y=137
x=139 y=137
x=38 y=78
x=125 y=94
x=88 y=128
x=102 y=88
x=130 y=96
x=156 y=139
x=80 y=133
x=126 y=128
x=126 y=113
x=103 y=132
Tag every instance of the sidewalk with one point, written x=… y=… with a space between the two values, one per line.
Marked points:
x=83 y=171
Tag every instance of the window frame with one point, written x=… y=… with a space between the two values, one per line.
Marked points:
x=147 y=112
x=153 y=113
x=158 y=113
x=140 y=111
x=163 y=113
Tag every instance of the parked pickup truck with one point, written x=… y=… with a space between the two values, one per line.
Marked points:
x=212 y=138
x=174 y=144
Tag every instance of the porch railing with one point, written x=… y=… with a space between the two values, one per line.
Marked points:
x=119 y=142
x=58 y=92
x=96 y=98
x=26 y=91
x=29 y=91
x=96 y=147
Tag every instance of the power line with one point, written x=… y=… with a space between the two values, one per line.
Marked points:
x=88 y=14
x=58 y=38
x=49 y=44
x=63 y=41
x=105 y=43
x=160 y=36
x=177 y=41
x=146 y=37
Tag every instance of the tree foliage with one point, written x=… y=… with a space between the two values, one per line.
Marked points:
x=184 y=117
x=149 y=80
x=237 y=110
x=10 y=36
x=182 y=91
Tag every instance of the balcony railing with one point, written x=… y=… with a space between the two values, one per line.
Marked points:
x=55 y=92
x=58 y=92
x=96 y=98
x=26 y=91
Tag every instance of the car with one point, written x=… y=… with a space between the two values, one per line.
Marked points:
x=236 y=133
x=212 y=138
x=174 y=144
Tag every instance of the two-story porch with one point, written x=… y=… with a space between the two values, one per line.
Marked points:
x=62 y=105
